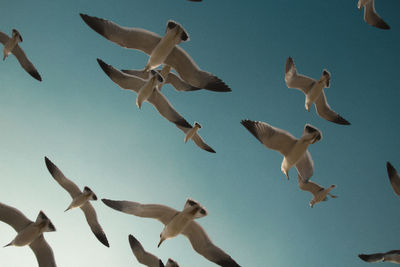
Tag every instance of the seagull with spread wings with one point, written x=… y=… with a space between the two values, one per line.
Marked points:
x=11 y=46
x=79 y=200
x=319 y=193
x=30 y=233
x=314 y=91
x=178 y=222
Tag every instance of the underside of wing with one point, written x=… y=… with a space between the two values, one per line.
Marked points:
x=272 y=137
x=372 y=18
x=305 y=166
x=371 y=257
x=309 y=186
x=91 y=218
x=160 y=212
x=394 y=178
x=324 y=111
x=13 y=217
x=142 y=255
x=295 y=80
x=43 y=252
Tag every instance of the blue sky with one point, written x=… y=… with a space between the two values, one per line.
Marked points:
x=93 y=131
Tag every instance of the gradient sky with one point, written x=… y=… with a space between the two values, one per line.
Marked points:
x=93 y=131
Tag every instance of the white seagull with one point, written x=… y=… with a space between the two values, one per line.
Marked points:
x=147 y=258
x=314 y=91
x=319 y=193
x=30 y=233
x=79 y=200
x=370 y=15
x=157 y=99
x=178 y=222
x=294 y=150
x=146 y=41
x=11 y=46
x=394 y=178
x=392 y=256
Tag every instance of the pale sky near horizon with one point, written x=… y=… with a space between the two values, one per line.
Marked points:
x=93 y=131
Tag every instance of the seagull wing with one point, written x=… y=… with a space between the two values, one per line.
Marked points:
x=324 y=111
x=394 y=178
x=125 y=81
x=13 y=217
x=164 y=107
x=146 y=41
x=138 y=73
x=295 y=80
x=372 y=18
x=305 y=166
x=22 y=58
x=179 y=84
x=160 y=212
x=142 y=255
x=271 y=137
x=197 y=139
x=309 y=186
x=67 y=184
x=202 y=244
x=44 y=253
x=91 y=218
x=371 y=257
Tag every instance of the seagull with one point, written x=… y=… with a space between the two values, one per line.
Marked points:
x=391 y=256
x=146 y=41
x=370 y=15
x=79 y=200
x=147 y=258
x=11 y=46
x=148 y=87
x=294 y=150
x=157 y=99
x=30 y=233
x=314 y=91
x=169 y=77
x=177 y=222
x=394 y=178
x=319 y=193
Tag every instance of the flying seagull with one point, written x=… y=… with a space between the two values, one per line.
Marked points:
x=391 y=256
x=146 y=41
x=147 y=258
x=157 y=99
x=314 y=91
x=294 y=150
x=394 y=178
x=11 y=46
x=370 y=15
x=79 y=200
x=30 y=233
x=319 y=193
x=177 y=222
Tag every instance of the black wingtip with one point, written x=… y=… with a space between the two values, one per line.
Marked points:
x=363 y=257
x=250 y=126
x=340 y=120
x=217 y=85
x=36 y=75
x=112 y=204
x=133 y=241
x=211 y=150
x=104 y=66
x=50 y=165
x=102 y=238
x=390 y=169
x=183 y=123
x=382 y=25
x=93 y=22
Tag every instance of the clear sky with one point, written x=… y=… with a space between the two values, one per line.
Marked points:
x=93 y=131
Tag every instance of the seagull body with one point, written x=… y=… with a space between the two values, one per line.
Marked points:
x=319 y=193
x=146 y=41
x=314 y=91
x=147 y=258
x=294 y=150
x=394 y=178
x=370 y=15
x=30 y=233
x=178 y=222
x=191 y=133
x=147 y=89
x=11 y=46
x=174 y=34
x=392 y=256
x=157 y=99
x=79 y=199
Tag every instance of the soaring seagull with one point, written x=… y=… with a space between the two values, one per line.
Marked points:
x=146 y=41
x=30 y=233
x=319 y=193
x=294 y=150
x=157 y=99
x=79 y=200
x=147 y=258
x=178 y=222
x=392 y=256
x=11 y=46
x=370 y=15
x=314 y=91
